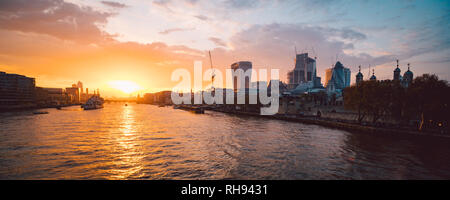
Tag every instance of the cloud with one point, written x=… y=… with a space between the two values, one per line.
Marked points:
x=57 y=63
x=430 y=36
x=168 y=31
x=114 y=4
x=192 y=2
x=60 y=43
x=162 y=3
x=64 y=41
x=57 y=18
x=347 y=33
x=218 y=41
x=342 y=33
x=318 y=3
x=273 y=45
x=242 y=4
x=201 y=17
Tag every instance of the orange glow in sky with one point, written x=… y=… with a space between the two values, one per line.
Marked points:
x=132 y=47
x=125 y=86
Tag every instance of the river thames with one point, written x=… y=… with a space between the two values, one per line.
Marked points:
x=141 y=141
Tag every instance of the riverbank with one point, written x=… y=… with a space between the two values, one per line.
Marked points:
x=33 y=107
x=330 y=123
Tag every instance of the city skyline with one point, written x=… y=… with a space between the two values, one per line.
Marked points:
x=102 y=43
x=252 y=90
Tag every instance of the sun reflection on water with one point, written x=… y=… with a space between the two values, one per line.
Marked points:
x=128 y=147
x=128 y=122
x=150 y=142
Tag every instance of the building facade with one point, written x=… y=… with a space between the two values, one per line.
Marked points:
x=16 y=89
x=51 y=97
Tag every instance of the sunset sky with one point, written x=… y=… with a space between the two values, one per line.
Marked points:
x=138 y=43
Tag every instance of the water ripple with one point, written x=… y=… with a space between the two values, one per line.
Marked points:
x=149 y=142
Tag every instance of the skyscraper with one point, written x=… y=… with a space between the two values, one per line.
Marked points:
x=244 y=65
x=80 y=86
x=328 y=75
x=304 y=71
x=339 y=75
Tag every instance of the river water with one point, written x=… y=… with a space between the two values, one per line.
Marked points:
x=150 y=142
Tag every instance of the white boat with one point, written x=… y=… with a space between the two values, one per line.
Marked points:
x=95 y=102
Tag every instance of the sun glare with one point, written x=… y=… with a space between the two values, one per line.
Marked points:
x=125 y=86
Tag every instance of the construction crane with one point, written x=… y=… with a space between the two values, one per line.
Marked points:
x=212 y=71
x=314 y=52
x=295 y=56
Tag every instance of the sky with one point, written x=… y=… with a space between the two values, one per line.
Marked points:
x=141 y=42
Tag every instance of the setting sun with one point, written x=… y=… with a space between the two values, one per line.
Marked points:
x=125 y=86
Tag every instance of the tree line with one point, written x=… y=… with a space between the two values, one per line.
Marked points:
x=426 y=100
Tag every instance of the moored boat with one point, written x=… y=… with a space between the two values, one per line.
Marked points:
x=195 y=109
x=40 y=112
x=95 y=102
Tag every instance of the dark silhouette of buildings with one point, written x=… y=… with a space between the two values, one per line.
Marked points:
x=408 y=77
x=16 y=90
x=373 y=77
x=404 y=80
x=397 y=76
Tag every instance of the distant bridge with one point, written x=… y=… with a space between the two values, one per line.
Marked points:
x=119 y=100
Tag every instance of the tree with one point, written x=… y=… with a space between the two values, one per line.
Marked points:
x=428 y=99
x=355 y=100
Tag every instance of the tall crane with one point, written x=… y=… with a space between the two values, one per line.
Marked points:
x=212 y=71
